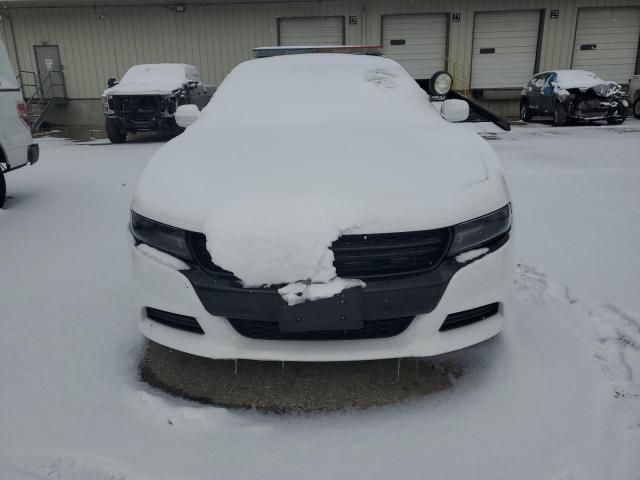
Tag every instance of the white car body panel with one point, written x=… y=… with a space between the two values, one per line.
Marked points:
x=15 y=137
x=479 y=283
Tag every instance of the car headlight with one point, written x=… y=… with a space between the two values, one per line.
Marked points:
x=165 y=238
x=440 y=83
x=481 y=231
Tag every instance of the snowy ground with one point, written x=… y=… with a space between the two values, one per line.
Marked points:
x=555 y=397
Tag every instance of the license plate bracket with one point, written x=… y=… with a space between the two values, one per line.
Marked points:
x=340 y=312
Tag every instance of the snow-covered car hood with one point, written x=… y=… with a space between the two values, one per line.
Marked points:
x=583 y=81
x=412 y=182
x=271 y=202
x=152 y=79
x=273 y=195
x=133 y=87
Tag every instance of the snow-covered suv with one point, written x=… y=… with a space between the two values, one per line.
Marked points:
x=16 y=145
x=146 y=98
x=322 y=209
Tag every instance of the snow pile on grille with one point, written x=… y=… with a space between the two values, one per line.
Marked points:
x=158 y=79
x=299 y=292
x=471 y=255
x=276 y=242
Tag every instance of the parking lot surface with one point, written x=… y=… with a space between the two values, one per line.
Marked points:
x=555 y=396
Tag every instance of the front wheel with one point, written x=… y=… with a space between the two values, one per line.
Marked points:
x=559 y=115
x=525 y=113
x=115 y=131
x=636 y=108
x=3 y=188
x=624 y=112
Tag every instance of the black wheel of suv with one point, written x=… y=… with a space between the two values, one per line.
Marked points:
x=624 y=112
x=636 y=108
x=174 y=128
x=3 y=188
x=559 y=115
x=115 y=132
x=525 y=113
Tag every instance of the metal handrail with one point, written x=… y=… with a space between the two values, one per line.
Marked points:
x=459 y=76
x=23 y=83
x=51 y=84
x=45 y=93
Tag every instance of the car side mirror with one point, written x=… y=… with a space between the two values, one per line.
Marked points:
x=186 y=115
x=454 y=110
x=111 y=82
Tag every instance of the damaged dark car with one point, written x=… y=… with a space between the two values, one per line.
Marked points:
x=146 y=99
x=572 y=96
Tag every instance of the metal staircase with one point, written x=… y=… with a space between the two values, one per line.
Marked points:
x=42 y=97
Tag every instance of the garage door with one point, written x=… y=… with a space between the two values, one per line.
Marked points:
x=505 y=45
x=311 y=31
x=417 y=42
x=607 y=42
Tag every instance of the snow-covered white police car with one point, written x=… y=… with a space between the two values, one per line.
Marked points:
x=322 y=209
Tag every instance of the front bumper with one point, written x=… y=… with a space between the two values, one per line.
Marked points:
x=481 y=282
x=592 y=110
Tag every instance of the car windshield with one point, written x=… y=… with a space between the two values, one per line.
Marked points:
x=320 y=88
x=577 y=79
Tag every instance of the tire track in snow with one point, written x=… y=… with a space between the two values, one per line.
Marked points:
x=614 y=332
x=63 y=467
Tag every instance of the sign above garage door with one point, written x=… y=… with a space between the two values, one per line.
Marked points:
x=417 y=42
x=505 y=46
x=302 y=31
x=607 y=42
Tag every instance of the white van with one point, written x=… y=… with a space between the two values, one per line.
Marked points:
x=16 y=145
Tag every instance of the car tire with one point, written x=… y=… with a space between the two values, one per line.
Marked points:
x=624 y=112
x=3 y=189
x=175 y=129
x=559 y=115
x=115 y=132
x=525 y=113
x=636 y=108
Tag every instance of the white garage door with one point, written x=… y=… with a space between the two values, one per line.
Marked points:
x=504 y=48
x=417 y=42
x=311 y=31
x=607 y=42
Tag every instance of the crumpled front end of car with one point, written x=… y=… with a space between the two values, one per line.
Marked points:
x=142 y=112
x=601 y=102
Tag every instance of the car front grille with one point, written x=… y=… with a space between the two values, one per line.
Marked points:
x=261 y=330
x=198 y=245
x=366 y=256
x=138 y=108
x=389 y=254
